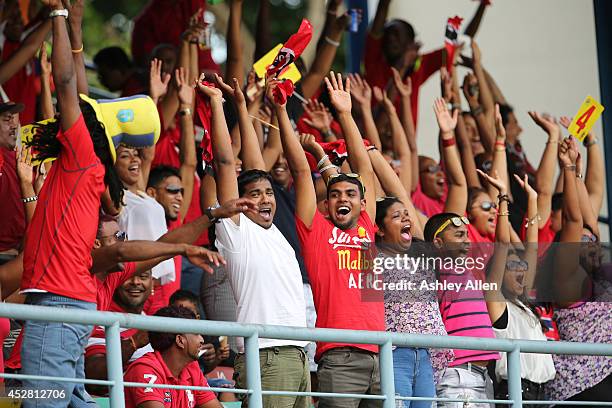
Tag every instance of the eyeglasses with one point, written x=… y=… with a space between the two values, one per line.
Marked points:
x=174 y=190
x=456 y=221
x=487 y=205
x=588 y=238
x=432 y=169
x=349 y=175
x=520 y=265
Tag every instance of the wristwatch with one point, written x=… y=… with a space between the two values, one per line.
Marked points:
x=211 y=217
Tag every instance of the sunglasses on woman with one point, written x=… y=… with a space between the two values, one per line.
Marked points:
x=520 y=265
x=432 y=169
x=487 y=205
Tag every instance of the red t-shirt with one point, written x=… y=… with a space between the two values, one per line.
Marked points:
x=152 y=369
x=24 y=86
x=335 y=260
x=153 y=26
x=12 y=222
x=57 y=253
x=378 y=71
x=5 y=328
x=426 y=204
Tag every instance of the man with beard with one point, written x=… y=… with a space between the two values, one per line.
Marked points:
x=336 y=250
x=174 y=362
x=261 y=265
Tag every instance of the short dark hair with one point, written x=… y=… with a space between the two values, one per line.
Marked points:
x=404 y=24
x=505 y=111
x=183 y=294
x=382 y=207
x=104 y=218
x=160 y=173
x=113 y=57
x=474 y=192
x=251 y=176
x=434 y=223
x=163 y=341
x=343 y=177
x=557 y=202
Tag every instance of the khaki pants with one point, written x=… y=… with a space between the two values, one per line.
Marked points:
x=282 y=369
x=349 y=370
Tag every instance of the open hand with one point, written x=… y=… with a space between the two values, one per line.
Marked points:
x=208 y=90
x=318 y=115
x=24 y=165
x=158 y=81
x=203 y=257
x=524 y=183
x=403 y=88
x=446 y=122
x=360 y=90
x=234 y=207
x=547 y=123
x=185 y=90
x=339 y=93
x=495 y=181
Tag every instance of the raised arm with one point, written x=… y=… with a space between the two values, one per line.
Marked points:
x=187 y=149
x=531 y=247
x=474 y=24
x=225 y=165
x=362 y=94
x=357 y=155
x=376 y=30
x=250 y=151
x=594 y=179
x=25 y=173
x=263 y=40
x=47 y=111
x=404 y=89
x=306 y=199
x=499 y=154
x=234 y=66
x=545 y=176
x=326 y=52
x=64 y=75
x=75 y=19
x=28 y=48
x=471 y=90
x=457 y=185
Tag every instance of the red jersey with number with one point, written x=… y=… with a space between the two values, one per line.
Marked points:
x=152 y=369
x=57 y=253
x=339 y=264
x=12 y=221
x=378 y=71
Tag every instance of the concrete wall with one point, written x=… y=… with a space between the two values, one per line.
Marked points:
x=542 y=54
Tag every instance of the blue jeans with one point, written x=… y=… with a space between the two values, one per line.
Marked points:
x=413 y=375
x=56 y=349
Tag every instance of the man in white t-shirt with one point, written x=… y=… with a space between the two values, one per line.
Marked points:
x=261 y=265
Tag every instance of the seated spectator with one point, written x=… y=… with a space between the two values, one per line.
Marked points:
x=117 y=73
x=173 y=362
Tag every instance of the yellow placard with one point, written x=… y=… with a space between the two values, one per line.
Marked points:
x=587 y=115
x=260 y=66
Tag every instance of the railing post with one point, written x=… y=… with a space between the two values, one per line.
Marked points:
x=114 y=366
x=251 y=344
x=387 y=384
x=515 y=391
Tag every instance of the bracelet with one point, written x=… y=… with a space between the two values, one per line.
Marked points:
x=29 y=199
x=589 y=144
x=332 y=42
x=324 y=169
x=500 y=142
x=78 y=51
x=449 y=142
x=59 y=12
x=185 y=112
x=504 y=214
x=320 y=163
x=571 y=167
x=553 y=142
x=477 y=111
x=532 y=221
x=371 y=147
x=503 y=197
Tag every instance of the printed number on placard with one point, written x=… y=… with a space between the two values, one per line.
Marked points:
x=587 y=115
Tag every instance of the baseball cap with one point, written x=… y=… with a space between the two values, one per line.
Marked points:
x=11 y=107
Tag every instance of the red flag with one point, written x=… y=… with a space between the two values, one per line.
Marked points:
x=283 y=90
x=203 y=114
x=291 y=50
x=451 y=40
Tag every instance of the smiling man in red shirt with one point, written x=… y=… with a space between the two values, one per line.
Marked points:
x=174 y=362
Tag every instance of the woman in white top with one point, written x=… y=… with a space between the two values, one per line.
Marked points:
x=512 y=314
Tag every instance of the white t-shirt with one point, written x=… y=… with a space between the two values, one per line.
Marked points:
x=524 y=325
x=264 y=275
x=144 y=218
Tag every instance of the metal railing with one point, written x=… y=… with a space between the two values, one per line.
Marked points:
x=113 y=321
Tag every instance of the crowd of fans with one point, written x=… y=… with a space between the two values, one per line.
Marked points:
x=277 y=216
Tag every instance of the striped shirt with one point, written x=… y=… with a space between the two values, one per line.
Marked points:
x=464 y=313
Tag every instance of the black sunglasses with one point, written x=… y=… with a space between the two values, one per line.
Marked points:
x=175 y=190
